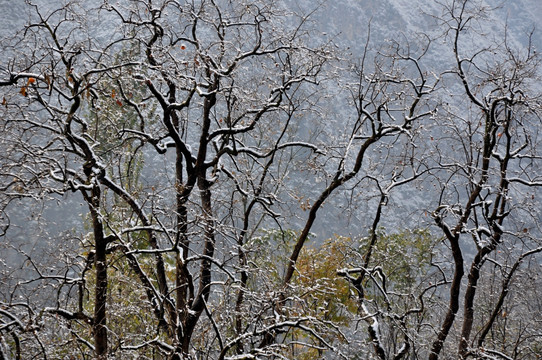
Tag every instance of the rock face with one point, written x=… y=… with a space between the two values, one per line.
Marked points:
x=348 y=20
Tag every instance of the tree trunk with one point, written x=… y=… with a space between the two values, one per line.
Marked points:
x=454 y=299
x=100 y=291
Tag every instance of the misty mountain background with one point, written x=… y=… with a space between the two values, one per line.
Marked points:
x=350 y=24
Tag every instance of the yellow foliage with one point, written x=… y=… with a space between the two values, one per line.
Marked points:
x=326 y=292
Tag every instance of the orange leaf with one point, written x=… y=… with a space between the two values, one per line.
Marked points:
x=113 y=94
x=499 y=134
x=183 y=47
x=31 y=80
x=23 y=91
x=119 y=103
x=48 y=80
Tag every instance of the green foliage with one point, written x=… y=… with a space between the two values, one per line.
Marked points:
x=404 y=256
x=271 y=251
x=317 y=291
x=401 y=258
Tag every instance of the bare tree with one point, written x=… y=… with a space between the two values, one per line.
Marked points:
x=480 y=147
x=189 y=134
x=211 y=88
x=487 y=192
